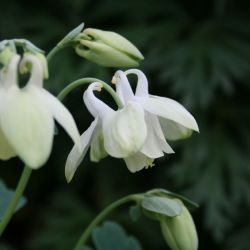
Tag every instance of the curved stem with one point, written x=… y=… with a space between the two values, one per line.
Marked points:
x=53 y=52
x=101 y=216
x=18 y=193
x=88 y=80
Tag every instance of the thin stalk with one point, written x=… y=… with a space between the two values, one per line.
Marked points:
x=53 y=52
x=89 y=80
x=101 y=216
x=18 y=193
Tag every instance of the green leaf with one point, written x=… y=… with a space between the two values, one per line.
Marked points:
x=111 y=236
x=5 y=198
x=162 y=205
x=164 y=192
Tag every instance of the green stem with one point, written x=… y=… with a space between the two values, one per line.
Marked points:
x=88 y=80
x=18 y=193
x=101 y=216
x=53 y=52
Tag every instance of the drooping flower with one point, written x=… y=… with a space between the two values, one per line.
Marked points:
x=120 y=134
x=27 y=114
x=107 y=49
x=165 y=118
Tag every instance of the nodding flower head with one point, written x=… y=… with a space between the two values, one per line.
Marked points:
x=120 y=133
x=27 y=114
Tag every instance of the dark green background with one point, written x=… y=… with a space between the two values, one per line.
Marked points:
x=197 y=52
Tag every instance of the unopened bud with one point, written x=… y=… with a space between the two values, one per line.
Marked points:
x=107 y=49
x=179 y=231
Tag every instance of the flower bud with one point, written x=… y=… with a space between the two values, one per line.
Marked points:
x=179 y=231
x=107 y=49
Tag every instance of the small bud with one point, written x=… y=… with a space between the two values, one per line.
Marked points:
x=107 y=49
x=179 y=231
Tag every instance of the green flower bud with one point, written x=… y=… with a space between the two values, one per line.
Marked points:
x=107 y=49
x=179 y=231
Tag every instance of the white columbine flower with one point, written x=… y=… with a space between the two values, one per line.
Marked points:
x=120 y=134
x=165 y=118
x=27 y=114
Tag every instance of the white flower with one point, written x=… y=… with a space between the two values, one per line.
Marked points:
x=27 y=114
x=119 y=133
x=165 y=118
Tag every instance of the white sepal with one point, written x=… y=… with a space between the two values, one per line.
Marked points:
x=169 y=109
x=62 y=116
x=76 y=156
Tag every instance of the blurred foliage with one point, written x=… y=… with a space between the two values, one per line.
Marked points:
x=5 y=198
x=112 y=236
x=197 y=52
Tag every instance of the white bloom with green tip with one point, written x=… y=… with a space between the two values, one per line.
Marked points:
x=120 y=134
x=165 y=118
x=27 y=114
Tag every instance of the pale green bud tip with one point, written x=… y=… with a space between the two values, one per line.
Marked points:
x=107 y=49
x=27 y=67
x=180 y=232
x=5 y=55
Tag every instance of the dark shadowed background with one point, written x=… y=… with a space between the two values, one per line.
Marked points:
x=197 y=52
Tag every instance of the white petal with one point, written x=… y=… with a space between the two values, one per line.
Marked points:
x=75 y=157
x=169 y=109
x=137 y=162
x=124 y=131
x=9 y=75
x=36 y=77
x=28 y=125
x=155 y=144
x=123 y=88
x=142 y=82
x=62 y=115
x=174 y=131
x=95 y=106
x=6 y=151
